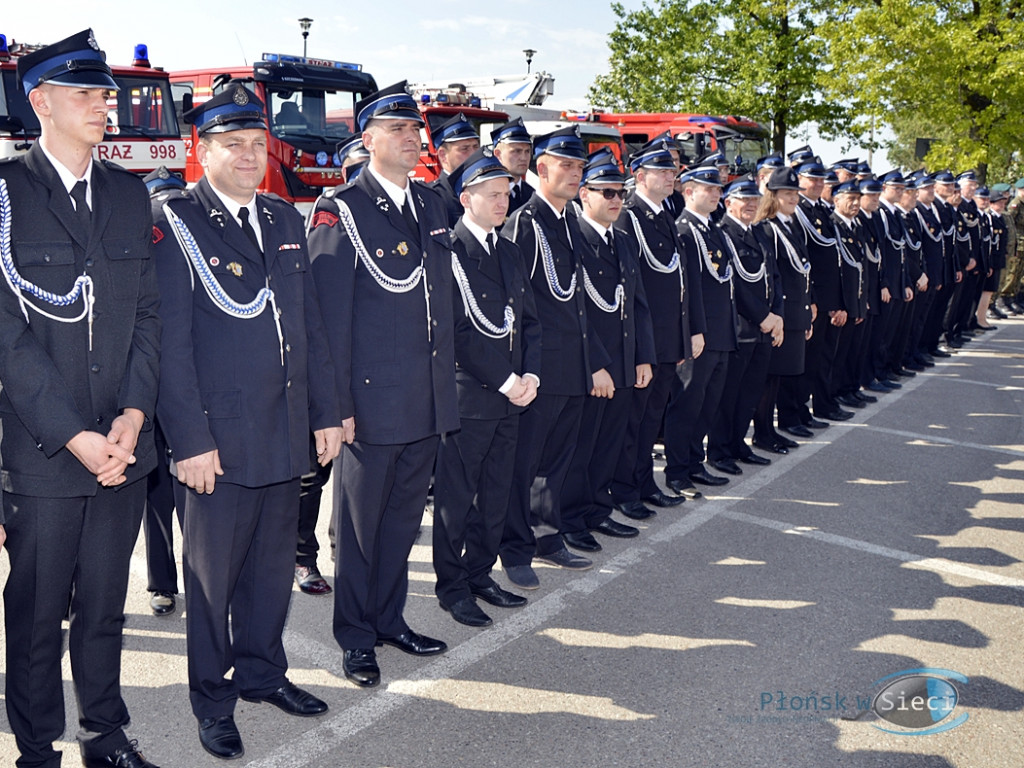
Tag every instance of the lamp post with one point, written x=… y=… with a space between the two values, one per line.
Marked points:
x=305 y=23
x=529 y=58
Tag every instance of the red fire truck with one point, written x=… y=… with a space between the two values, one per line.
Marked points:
x=142 y=127
x=310 y=104
x=741 y=139
x=438 y=105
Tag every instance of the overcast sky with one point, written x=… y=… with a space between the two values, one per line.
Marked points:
x=392 y=39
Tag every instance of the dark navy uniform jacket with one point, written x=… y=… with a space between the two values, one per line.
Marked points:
x=755 y=300
x=795 y=287
x=720 y=332
x=571 y=351
x=969 y=234
x=483 y=364
x=895 y=273
x=53 y=386
x=868 y=227
x=443 y=187
x=826 y=275
x=223 y=384
x=932 y=244
x=914 y=252
x=948 y=218
x=626 y=333
x=519 y=197
x=393 y=353
x=675 y=298
x=855 y=298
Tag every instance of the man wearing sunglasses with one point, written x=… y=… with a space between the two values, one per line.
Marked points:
x=619 y=315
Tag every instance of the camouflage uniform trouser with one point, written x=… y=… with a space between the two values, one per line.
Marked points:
x=1012 y=275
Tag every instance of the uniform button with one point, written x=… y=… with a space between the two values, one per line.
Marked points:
x=46 y=258
x=434 y=323
x=289 y=384
x=434 y=353
x=89 y=262
x=366 y=381
x=269 y=278
x=99 y=419
x=298 y=265
x=483 y=295
x=39 y=446
x=581 y=313
x=430 y=287
x=94 y=368
x=287 y=347
x=584 y=335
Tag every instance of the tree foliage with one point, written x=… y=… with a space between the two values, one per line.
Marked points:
x=955 y=68
x=760 y=58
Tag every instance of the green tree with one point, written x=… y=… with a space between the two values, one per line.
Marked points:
x=954 y=68
x=760 y=58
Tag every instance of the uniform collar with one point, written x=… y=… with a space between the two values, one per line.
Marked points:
x=601 y=230
x=477 y=231
x=397 y=194
x=656 y=207
x=67 y=178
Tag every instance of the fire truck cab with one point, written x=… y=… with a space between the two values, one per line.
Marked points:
x=310 y=109
x=741 y=139
x=142 y=126
x=438 y=105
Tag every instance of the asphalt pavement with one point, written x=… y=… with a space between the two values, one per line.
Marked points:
x=754 y=627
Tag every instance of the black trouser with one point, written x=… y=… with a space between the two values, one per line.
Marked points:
x=59 y=547
x=634 y=471
x=471 y=492
x=821 y=356
x=933 y=326
x=380 y=492
x=586 y=493
x=689 y=413
x=164 y=495
x=311 y=491
x=744 y=384
x=548 y=431
x=239 y=564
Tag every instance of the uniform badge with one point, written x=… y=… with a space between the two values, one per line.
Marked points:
x=240 y=97
x=382 y=203
x=92 y=42
x=380 y=253
x=718 y=255
x=323 y=217
x=214 y=261
x=269 y=216
x=217 y=216
x=402 y=248
x=235 y=269
x=157 y=235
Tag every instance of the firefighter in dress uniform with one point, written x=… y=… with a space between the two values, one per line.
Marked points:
x=245 y=376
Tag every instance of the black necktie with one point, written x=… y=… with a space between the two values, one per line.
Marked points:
x=410 y=219
x=243 y=217
x=517 y=193
x=610 y=239
x=82 y=213
x=492 y=243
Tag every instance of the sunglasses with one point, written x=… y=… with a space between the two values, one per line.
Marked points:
x=610 y=194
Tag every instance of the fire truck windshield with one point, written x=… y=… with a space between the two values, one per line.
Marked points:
x=142 y=107
x=311 y=114
x=747 y=148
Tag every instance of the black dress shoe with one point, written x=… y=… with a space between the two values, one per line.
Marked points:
x=798 y=430
x=583 y=541
x=838 y=415
x=906 y=372
x=162 y=603
x=703 y=477
x=756 y=460
x=728 y=466
x=785 y=442
x=616 y=530
x=684 y=488
x=635 y=510
x=663 y=500
x=310 y=581
x=865 y=398
x=499 y=597
x=293 y=700
x=414 y=643
x=849 y=401
x=360 y=665
x=939 y=353
x=772 y=447
x=891 y=384
x=466 y=611
x=813 y=423
x=219 y=736
x=127 y=756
